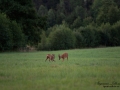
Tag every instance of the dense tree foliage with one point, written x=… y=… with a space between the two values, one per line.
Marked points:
x=24 y=13
x=87 y=23
x=62 y=38
x=11 y=36
x=5 y=34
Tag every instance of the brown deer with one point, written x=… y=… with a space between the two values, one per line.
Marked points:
x=63 y=56
x=50 y=57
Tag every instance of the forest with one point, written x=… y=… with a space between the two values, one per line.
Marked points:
x=59 y=24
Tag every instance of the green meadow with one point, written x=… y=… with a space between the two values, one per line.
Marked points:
x=85 y=69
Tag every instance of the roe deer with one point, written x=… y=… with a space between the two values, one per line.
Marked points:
x=50 y=57
x=63 y=56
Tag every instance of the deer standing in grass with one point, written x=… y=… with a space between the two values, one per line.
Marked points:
x=50 y=57
x=63 y=56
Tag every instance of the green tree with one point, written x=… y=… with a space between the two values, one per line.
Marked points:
x=80 y=12
x=89 y=36
x=62 y=38
x=5 y=33
x=60 y=17
x=96 y=7
x=79 y=39
x=61 y=7
x=87 y=21
x=105 y=34
x=51 y=18
x=18 y=38
x=42 y=11
x=11 y=36
x=24 y=13
x=115 y=34
x=113 y=14
x=70 y=18
x=74 y=3
x=42 y=44
x=106 y=14
x=77 y=23
x=61 y=11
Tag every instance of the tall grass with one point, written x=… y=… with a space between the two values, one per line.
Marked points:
x=86 y=69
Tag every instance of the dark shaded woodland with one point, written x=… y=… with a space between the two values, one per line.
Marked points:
x=59 y=24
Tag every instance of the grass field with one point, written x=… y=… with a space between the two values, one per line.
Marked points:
x=86 y=69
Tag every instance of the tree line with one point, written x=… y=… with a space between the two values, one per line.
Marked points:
x=59 y=24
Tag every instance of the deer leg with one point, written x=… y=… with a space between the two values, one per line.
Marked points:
x=46 y=59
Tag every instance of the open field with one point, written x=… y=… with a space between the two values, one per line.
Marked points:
x=86 y=69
